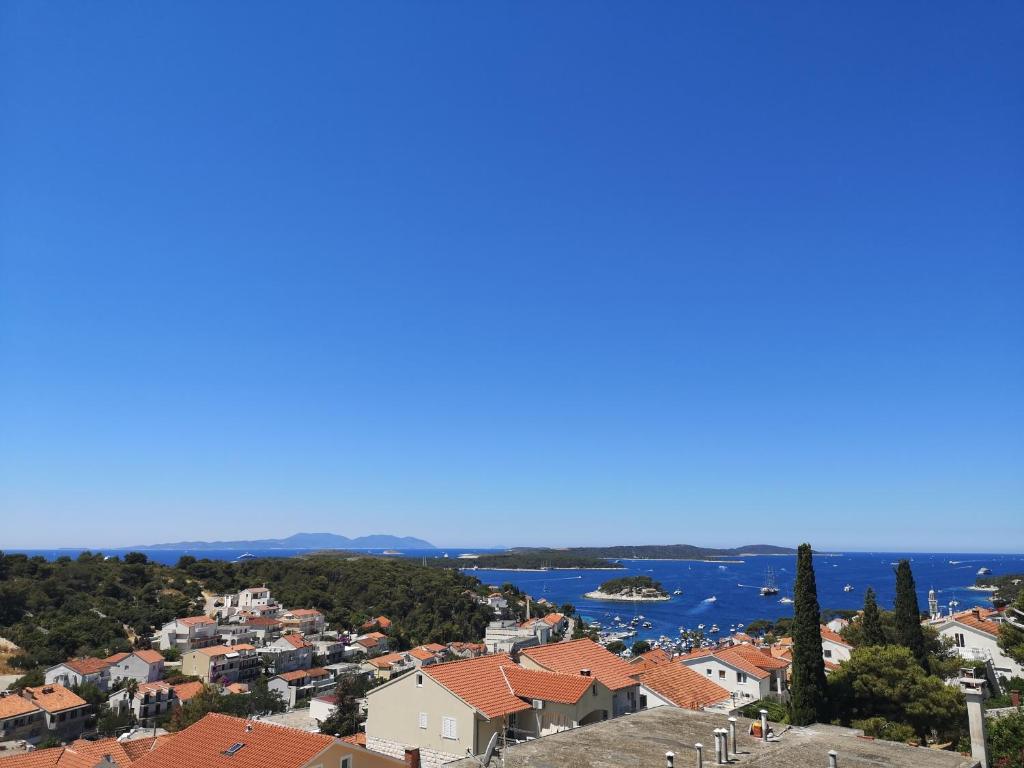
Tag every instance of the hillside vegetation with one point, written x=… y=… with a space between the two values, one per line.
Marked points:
x=96 y=606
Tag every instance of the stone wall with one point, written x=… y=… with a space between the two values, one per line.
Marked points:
x=429 y=758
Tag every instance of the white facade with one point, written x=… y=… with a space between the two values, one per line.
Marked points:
x=188 y=634
x=835 y=652
x=743 y=686
x=976 y=645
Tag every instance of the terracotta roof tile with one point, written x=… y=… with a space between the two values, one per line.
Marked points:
x=136 y=748
x=116 y=658
x=422 y=653
x=977 y=618
x=480 y=683
x=549 y=686
x=13 y=705
x=204 y=744
x=221 y=650
x=388 y=660
x=682 y=686
x=88 y=665
x=55 y=698
x=301 y=674
x=296 y=641
x=195 y=621
x=833 y=636
x=649 y=660
x=150 y=656
x=301 y=612
x=185 y=691
x=570 y=658
x=358 y=739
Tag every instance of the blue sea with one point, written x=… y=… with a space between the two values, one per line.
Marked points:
x=734 y=585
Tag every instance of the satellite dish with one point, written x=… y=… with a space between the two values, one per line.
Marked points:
x=489 y=752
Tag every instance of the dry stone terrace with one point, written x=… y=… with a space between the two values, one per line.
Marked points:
x=641 y=741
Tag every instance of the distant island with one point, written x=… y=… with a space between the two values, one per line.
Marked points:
x=630 y=589
x=655 y=552
x=528 y=560
x=303 y=541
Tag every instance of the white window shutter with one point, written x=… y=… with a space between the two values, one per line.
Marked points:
x=448 y=730
x=423 y=719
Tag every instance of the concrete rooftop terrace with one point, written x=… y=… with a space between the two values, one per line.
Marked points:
x=641 y=741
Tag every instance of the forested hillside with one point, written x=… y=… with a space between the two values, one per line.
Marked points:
x=96 y=606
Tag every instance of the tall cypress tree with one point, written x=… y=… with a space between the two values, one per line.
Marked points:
x=909 y=633
x=873 y=634
x=808 y=691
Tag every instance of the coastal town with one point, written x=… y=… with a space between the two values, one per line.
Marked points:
x=537 y=674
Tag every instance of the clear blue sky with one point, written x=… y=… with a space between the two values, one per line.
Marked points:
x=510 y=273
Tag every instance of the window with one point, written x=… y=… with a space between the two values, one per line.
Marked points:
x=448 y=729
x=593 y=689
x=721 y=674
x=708 y=670
x=643 y=701
x=346 y=762
x=423 y=719
x=961 y=641
x=741 y=677
x=828 y=653
x=419 y=680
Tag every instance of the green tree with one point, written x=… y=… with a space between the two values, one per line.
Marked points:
x=872 y=620
x=345 y=719
x=112 y=722
x=888 y=682
x=1006 y=741
x=1011 y=631
x=808 y=687
x=640 y=646
x=908 y=616
x=616 y=646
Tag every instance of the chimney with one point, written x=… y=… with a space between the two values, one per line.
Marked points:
x=764 y=725
x=974 y=692
x=732 y=734
x=585 y=672
x=700 y=754
x=833 y=759
x=1015 y=698
x=976 y=613
x=412 y=758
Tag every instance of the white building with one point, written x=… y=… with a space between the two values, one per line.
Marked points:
x=748 y=673
x=150 y=702
x=975 y=635
x=507 y=636
x=188 y=634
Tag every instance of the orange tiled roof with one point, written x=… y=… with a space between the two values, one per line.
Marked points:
x=88 y=665
x=435 y=647
x=185 y=691
x=296 y=641
x=374 y=635
x=193 y=621
x=553 y=618
x=387 y=660
x=78 y=754
x=833 y=636
x=221 y=650
x=649 y=660
x=159 y=685
x=115 y=658
x=758 y=666
x=480 y=683
x=300 y=674
x=136 y=748
x=977 y=618
x=570 y=658
x=149 y=656
x=55 y=698
x=305 y=612
x=237 y=688
x=549 y=686
x=204 y=744
x=358 y=739
x=13 y=706
x=682 y=686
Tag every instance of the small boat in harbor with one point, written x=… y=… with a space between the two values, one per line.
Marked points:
x=710 y=599
x=983 y=571
x=677 y=592
x=786 y=600
x=848 y=588
x=245 y=556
